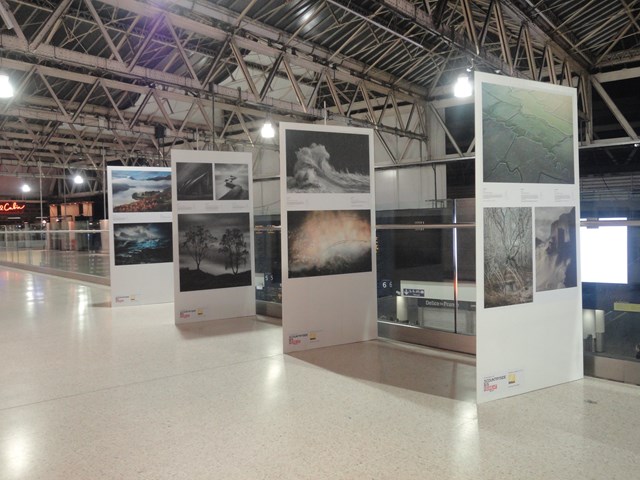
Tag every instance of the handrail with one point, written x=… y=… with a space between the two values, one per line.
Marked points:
x=10 y=232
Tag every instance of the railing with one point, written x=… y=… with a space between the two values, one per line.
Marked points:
x=76 y=252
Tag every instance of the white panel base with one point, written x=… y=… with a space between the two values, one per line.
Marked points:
x=332 y=314
x=539 y=349
x=132 y=285
x=216 y=305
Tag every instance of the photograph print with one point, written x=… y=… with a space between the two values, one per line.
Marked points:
x=508 y=256
x=556 y=249
x=232 y=181
x=194 y=181
x=215 y=251
x=527 y=135
x=141 y=191
x=138 y=243
x=328 y=242
x=327 y=162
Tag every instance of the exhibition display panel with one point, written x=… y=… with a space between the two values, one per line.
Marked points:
x=328 y=236
x=213 y=235
x=141 y=251
x=529 y=319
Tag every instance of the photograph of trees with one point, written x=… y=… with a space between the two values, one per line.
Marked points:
x=214 y=250
x=508 y=256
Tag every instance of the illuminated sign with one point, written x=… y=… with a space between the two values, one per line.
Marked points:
x=11 y=207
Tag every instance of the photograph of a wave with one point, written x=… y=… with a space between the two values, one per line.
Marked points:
x=327 y=162
x=328 y=242
x=138 y=243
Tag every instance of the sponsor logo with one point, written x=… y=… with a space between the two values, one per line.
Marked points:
x=491 y=383
x=297 y=339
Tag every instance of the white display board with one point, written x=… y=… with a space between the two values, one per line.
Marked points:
x=140 y=235
x=529 y=298
x=328 y=236
x=212 y=196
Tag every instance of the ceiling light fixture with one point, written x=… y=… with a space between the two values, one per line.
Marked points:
x=462 y=88
x=6 y=90
x=78 y=179
x=267 y=130
x=25 y=188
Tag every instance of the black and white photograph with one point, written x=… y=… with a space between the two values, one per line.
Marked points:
x=138 y=243
x=327 y=162
x=556 y=248
x=215 y=250
x=329 y=242
x=508 y=256
x=232 y=181
x=194 y=181
x=141 y=191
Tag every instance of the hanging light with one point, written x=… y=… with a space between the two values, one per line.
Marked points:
x=6 y=90
x=267 y=130
x=78 y=179
x=25 y=188
x=463 y=87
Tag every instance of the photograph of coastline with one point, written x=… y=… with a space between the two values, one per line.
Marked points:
x=556 y=248
x=328 y=242
x=194 y=181
x=327 y=162
x=232 y=181
x=214 y=250
x=141 y=191
x=138 y=243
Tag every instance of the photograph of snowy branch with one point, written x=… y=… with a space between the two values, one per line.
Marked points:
x=555 y=248
x=194 y=181
x=508 y=256
x=329 y=242
x=214 y=250
x=327 y=162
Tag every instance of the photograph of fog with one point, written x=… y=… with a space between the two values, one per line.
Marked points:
x=215 y=250
x=508 y=256
x=232 y=181
x=328 y=242
x=555 y=248
x=327 y=162
x=141 y=191
x=194 y=181
x=138 y=243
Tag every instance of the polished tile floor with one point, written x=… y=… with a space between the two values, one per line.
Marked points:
x=87 y=392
